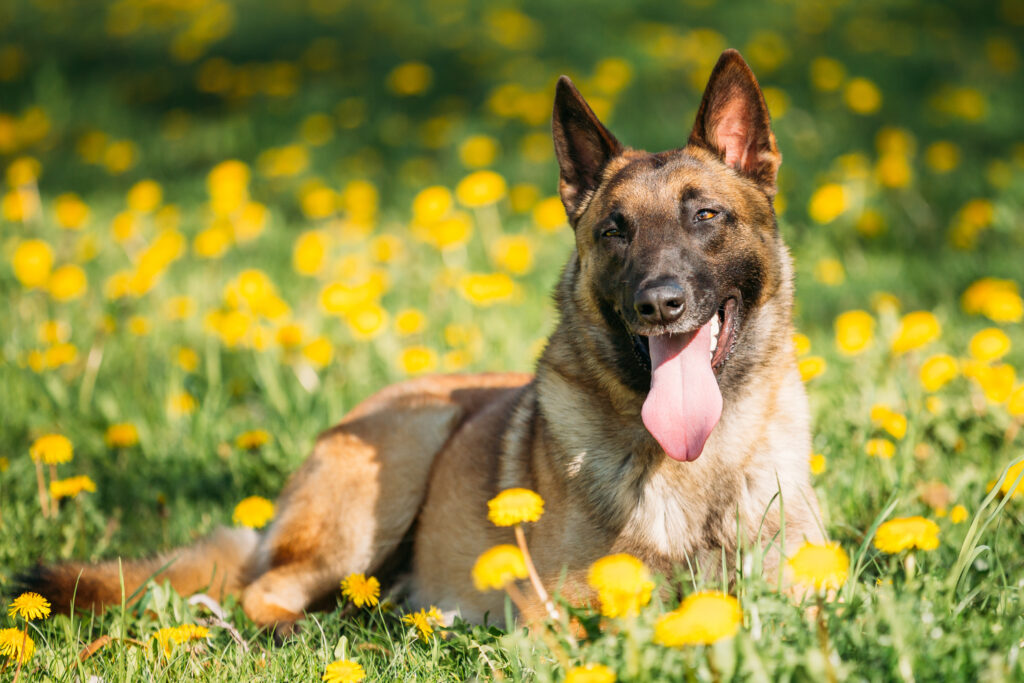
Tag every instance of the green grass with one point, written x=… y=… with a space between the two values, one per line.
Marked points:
x=945 y=72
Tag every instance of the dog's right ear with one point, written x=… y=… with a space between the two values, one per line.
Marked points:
x=583 y=147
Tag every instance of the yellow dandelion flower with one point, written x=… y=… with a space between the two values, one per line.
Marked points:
x=996 y=381
x=479 y=151
x=362 y=591
x=515 y=506
x=497 y=567
x=958 y=514
x=253 y=512
x=917 y=329
x=862 y=96
x=937 y=371
x=319 y=352
x=181 y=404
x=854 y=332
x=818 y=463
x=187 y=359
x=549 y=214
x=71 y=487
x=67 y=283
x=309 y=255
x=410 y=78
x=169 y=637
x=880 y=448
x=827 y=203
x=29 y=606
x=52 y=449
x=416 y=360
x=1008 y=487
x=71 y=212
x=703 y=618
x=590 y=673
x=483 y=289
x=829 y=271
x=480 y=188
x=623 y=584
x=424 y=621
x=15 y=645
x=820 y=566
x=801 y=344
x=1015 y=403
x=145 y=196
x=343 y=671
x=410 y=321
x=811 y=367
x=898 y=535
x=889 y=420
x=513 y=253
x=989 y=344
x=252 y=439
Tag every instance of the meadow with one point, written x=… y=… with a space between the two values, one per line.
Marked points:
x=225 y=222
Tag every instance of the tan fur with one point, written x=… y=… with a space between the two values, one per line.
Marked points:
x=416 y=463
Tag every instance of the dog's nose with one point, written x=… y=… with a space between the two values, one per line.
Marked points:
x=660 y=305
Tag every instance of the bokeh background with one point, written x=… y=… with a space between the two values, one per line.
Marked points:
x=223 y=223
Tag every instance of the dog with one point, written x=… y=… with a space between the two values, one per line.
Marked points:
x=666 y=418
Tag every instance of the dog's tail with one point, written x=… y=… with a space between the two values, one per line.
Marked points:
x=215 y=565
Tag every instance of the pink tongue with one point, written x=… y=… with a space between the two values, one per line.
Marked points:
x=684 y=403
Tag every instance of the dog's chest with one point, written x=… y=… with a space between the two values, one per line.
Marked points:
x=678 y=521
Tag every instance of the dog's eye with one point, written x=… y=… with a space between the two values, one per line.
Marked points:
x=705 y=214
x=612 y=232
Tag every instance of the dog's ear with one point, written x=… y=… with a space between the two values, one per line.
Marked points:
x=733 y=122
x=583 y=147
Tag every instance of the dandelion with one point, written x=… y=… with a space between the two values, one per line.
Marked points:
x=252 y=439
x=145 y=196
x=702 y=618
x=880 y=448
x=988 y=345
x=590 y=673
x=169 y=637
x=515 y=506
x=499 y=566
x=343 y=671
x=623 y=584
x=181 y=404
x=71 y=212
x=514 y=254
x=827 y=203
x=862 y=96
x=71 y=487
x=16 y=645
x=483 y=289
x=481 y=188
x=854 y=331
x=889 y=420
x=319 y=352
x=410 y=78
x=958 y=514
x=424 y=620
x=817 y=463
x=29 y=606
x=801 y=344
x=362 y=591
x=52 y=449
x=917 y=329
x=937 y=371
x=811 y=367
x=549 y=214
x=995 y=381
x=820 y=566
x=478 y=151
x=253 y=512
x=897 y=535
x=68 y=283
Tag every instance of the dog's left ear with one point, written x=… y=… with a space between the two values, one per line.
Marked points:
x=583 y=147
x=733 y=122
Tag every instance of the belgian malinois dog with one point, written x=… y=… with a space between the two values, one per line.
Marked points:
x=666 y=418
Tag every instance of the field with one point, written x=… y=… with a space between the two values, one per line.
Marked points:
x=224 y=222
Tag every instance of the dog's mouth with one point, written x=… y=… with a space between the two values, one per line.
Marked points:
x=684 y=402
x=724 y=325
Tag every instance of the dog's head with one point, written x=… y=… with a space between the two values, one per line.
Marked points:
x=676 y=249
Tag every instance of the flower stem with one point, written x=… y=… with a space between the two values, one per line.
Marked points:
x=44 y=498
x=830 y=673
x=534 y=577
x=21 y=653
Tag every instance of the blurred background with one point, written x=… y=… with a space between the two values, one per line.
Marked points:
x=224 y=222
